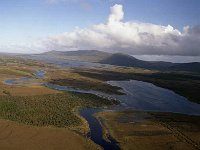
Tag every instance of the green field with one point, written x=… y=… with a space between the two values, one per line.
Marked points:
x=48 y=110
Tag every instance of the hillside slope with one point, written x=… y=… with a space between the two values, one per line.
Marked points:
x=127 y=60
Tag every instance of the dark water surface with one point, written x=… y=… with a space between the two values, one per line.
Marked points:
x=149 y=97
x=143 y=96
x=96 y=132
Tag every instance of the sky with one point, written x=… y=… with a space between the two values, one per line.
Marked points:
x=166 y=28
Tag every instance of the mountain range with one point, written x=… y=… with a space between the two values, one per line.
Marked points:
x=120 y=59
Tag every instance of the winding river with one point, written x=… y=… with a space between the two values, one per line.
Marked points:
x=138 y=96
x=96 y=133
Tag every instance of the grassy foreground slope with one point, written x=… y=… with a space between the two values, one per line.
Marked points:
x=15 y=136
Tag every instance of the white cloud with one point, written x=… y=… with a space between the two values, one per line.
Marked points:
x=116 y=15
x=135 y=38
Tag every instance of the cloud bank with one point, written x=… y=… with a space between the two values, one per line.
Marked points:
x=135 y=38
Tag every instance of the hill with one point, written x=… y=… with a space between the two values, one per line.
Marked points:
x=129 y=61
x=120 y=59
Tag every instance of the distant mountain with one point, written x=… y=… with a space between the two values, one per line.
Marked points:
x=119 y=59
x=80 y=55
x=130 y=61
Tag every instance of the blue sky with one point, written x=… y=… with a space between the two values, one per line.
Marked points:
x=24 y=21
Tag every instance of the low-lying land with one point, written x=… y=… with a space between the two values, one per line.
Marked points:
x=41 y=113
x=68 y=77
x=91 y=79
x=156 y=131
x=13 y=67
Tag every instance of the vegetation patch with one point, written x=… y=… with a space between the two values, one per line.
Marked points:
x=48 y=110
x=88 y=85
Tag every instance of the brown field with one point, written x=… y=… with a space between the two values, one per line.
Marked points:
x=14 y=136
x=156 y=131
x=23 y=90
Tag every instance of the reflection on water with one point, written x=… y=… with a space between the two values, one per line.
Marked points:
x=148 y=97
x=143 y=96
